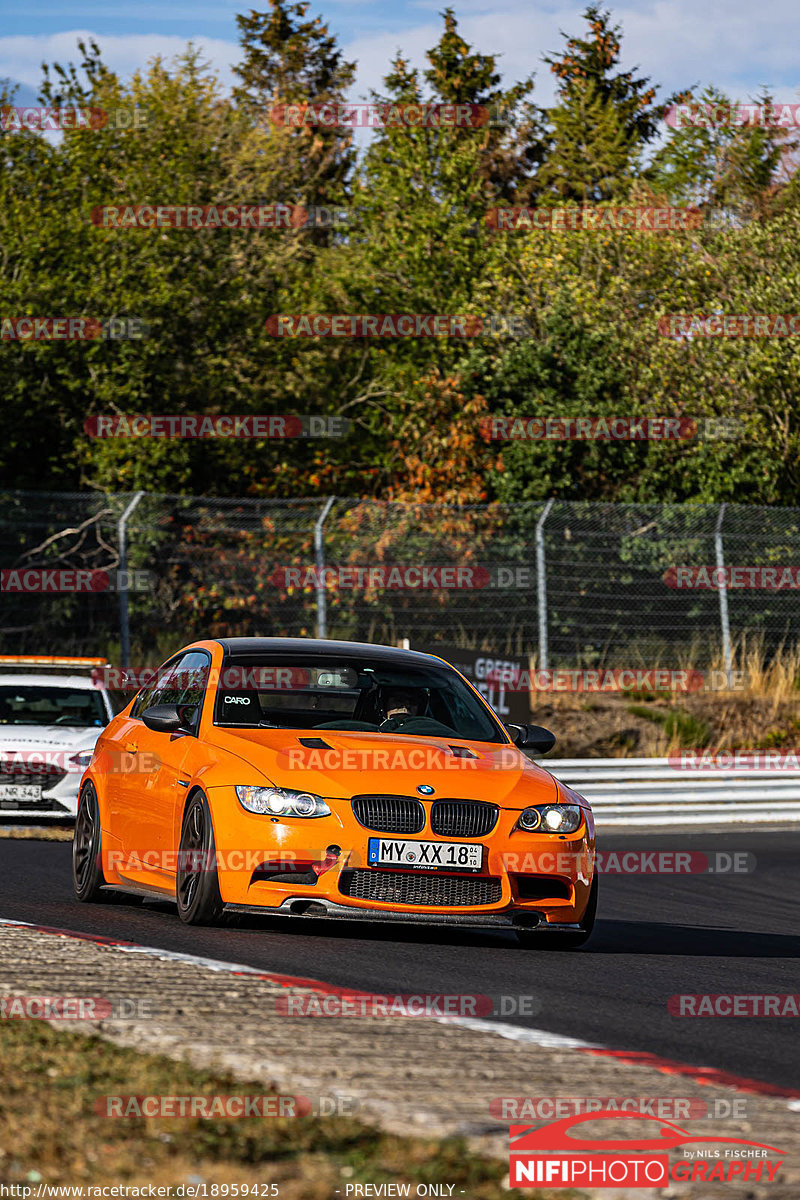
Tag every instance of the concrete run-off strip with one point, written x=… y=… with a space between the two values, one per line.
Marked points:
x=412 y=1075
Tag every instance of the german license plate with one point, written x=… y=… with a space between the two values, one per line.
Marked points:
x=20 y=791
x=425 y=856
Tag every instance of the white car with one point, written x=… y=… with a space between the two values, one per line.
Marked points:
x=49 y=723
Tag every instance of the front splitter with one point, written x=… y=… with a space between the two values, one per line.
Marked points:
x=309 y=908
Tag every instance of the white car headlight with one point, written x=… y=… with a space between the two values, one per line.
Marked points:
x=81 y=760
x=551 y=818
x=278 y=802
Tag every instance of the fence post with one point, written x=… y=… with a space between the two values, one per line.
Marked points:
x=124 y=618
x=541 y=586
x=319 y=558
x=723 y=595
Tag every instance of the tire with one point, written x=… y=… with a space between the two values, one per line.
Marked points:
x=564 y=941
x=87 y=870
x=197 y=884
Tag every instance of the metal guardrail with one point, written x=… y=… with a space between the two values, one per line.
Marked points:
x=651 y=791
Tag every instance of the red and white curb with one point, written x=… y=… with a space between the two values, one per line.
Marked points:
x=710 y=1076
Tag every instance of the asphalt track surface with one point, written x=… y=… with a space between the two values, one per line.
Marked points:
x=656 y=936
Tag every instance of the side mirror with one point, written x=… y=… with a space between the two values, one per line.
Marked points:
x=163 y=718
x=532 y=737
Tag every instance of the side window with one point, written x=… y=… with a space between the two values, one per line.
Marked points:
x=181 y=682
x=149 y=695
x=187 y=681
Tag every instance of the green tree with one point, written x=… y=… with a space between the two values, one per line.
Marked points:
x=594 y=304
x=733 y=171
x=419 y=247
x=602 y=121
x=458 y=74
x=198 y=291
x=291 y=59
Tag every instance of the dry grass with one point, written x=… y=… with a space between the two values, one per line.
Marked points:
x=774 y=678
x=759 y=708
x=50 y=1080
x=37 y=833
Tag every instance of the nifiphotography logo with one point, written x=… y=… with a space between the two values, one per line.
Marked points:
x=554 y=1157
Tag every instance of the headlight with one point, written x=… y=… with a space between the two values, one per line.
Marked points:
x=281 y=803
x=551 y=818
x=81 y=760
x=530 y=819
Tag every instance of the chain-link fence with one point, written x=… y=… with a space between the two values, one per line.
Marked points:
x=570 y=583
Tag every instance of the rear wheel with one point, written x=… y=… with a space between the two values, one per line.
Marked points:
x=567 y=940
x=87 y=870
x=197 y=884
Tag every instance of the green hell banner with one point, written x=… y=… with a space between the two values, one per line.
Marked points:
x=503 y=680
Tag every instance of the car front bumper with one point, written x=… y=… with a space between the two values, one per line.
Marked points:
x=59 y=802
x=510 y=860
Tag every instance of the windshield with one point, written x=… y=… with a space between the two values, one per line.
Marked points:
x=38 y=704
x=352 y=694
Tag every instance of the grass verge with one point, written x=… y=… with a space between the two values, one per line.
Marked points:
x=51 y=1079
x=36 y=833
x=682 y=728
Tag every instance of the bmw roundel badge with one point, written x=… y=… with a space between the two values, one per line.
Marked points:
x=425 y=789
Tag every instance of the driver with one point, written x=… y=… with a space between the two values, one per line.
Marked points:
x=72 y=714
x=399 y=704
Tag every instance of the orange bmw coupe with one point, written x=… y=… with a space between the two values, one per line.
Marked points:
x=333 y=779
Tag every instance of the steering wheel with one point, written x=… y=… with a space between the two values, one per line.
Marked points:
x=395 y=722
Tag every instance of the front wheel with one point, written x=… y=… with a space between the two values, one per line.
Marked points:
x=197 y=884
x=568 y=940
x=87 y=869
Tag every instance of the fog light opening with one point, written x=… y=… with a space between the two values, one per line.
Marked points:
x=330 y=860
